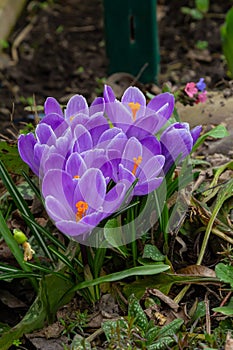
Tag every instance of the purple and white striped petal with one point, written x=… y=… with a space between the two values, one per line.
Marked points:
x=52 y=106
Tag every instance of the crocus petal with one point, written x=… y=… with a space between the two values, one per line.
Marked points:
x=133 y=149
x=77 y=229
x=40 y=156
x=143 y=126
x=97 y=106
x=96 y=158
x=109 y=95
x=93 y=219
x=52 y=106
x=119 y=114
x=153 y=166
x=151 y=146
x=54 y=161
x=114 y=156
x=75 y=105
x=83 y=138
x=26 y=145
x=163 y=105
x=195 y=132
x=97 y=125
x=133 y=94
x=176 y=141
x=63 y=143
x=80 y=118
x=45 y=134
x=147 y=187
x=173 y=139
x=118 y=142
x=92 y=186
x=57 y=210
x=58 y=184
x=109 y=134
x=57 y=123
x=125 y=174
x=75 y=165
x=114 y=198
x=72 y=228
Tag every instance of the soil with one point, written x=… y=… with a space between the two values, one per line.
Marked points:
x=58 y=50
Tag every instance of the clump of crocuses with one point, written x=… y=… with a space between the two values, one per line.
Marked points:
x=92 y=160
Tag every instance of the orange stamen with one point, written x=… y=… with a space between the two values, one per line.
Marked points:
x=135 y=106
x=81 y=209
x=137 y=162
x=76 y=177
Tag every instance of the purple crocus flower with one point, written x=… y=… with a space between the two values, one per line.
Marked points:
x=133 y=110
x=54 y=134
x=78 y=206
x=132 y=159
x=177 y=141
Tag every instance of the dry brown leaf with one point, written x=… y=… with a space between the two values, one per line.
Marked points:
x=170 y=302
x=197 y=270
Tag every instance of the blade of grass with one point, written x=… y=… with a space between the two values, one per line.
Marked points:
x=42 y=230
x=134 y=271
x=224 y=193
x=23 y=207
x=52 y=239
x=14 y=248
x=65 y=260
x=32 y=185
x=47 y=271
x=13 y=275
x=7 y=268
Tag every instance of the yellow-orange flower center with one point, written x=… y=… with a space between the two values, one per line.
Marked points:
x=134 y=106
x=137 y=162
x=76 y=177
x=81 y=210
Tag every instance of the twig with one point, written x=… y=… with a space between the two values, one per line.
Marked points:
x=139 y=73
x=82 y=29
x=22 y=35
x=224 y=301
x=94 y=335
x=207 y=309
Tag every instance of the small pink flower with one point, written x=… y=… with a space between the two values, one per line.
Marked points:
x=202 y=97
x=191 y=89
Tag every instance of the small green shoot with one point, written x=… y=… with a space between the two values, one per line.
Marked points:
x=198 y=12
x=227 y=42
